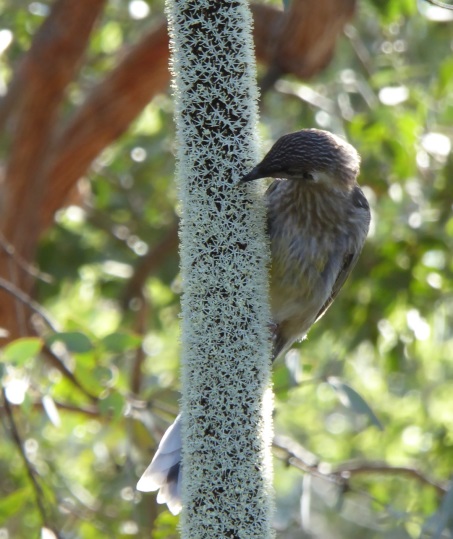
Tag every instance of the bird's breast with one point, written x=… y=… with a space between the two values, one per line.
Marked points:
x=308 y=244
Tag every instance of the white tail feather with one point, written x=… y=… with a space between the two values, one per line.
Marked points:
x=163 y=473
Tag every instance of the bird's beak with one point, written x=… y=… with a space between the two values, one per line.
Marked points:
x=254 y=174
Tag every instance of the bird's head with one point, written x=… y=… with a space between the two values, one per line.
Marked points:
x=310 y=155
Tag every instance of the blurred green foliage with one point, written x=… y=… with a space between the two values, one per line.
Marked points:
x=387 y=343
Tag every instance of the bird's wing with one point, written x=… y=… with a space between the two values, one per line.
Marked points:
x=349 y=259
x=349 y=262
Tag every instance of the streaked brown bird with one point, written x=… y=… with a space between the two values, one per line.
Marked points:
x=317 y=220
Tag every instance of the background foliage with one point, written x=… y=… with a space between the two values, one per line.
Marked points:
x=111 y=293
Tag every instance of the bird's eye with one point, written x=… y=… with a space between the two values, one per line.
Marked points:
x=308 y=176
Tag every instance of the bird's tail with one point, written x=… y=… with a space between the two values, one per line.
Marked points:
x=164 y=472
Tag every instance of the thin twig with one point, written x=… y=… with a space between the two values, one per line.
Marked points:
x=59 y=364
x=31 y=472
x=32 y=270
x=29 y=302
x=90 y=411
x=50 y=354
x=353 y=468
x=300 y=458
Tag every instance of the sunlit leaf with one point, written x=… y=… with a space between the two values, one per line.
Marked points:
x=21 y=350
x=282 y=382
x=74 y=341
x=165 y=526
x=11 y=504
x=105 y=375
x=112 y=404
x=121 y=342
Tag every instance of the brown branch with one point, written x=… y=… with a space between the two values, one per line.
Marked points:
x=20 y=262
x=90 y=411
x=136 y=408
x=39 y=83
x=45 y=72
x=105 y=115
x=140 y=326
x=31 y=472
x=52 y=358
x=304 y=41
x=26 y=300
x=59 y=364
x=356 y=467
x=300 y=458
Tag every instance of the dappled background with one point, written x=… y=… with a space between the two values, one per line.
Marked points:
x=90 y=286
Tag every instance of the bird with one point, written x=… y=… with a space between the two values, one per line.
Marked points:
x=317 y=222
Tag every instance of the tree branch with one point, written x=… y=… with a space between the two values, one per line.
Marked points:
x=32 y=270
x=31 y=472
x=53 y=359
x=300 y=458
x=105 y=115
x=25 y=299
x=37 y=88
x=304 y=41
x=44 y=74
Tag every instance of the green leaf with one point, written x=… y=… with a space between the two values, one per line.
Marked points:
x=21 y=350
x=112 y=404
x=106 y=376
x=11 y=505
x=351 y=399
x=121 y=342
x=74 y=341
x=282 y=382
x=165 y=526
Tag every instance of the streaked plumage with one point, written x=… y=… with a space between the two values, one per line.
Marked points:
x=318 y=219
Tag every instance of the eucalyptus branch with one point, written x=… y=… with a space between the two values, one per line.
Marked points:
x=60 y=365
x=29 y=302
x=351 y=469
x=32 y=270
x=297 y=456
x=57 y=362
x=31 y=472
